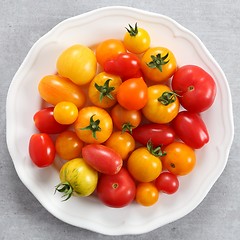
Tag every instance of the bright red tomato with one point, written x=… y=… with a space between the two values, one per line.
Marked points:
x=167 y=182
x=46 y=123
x=191 y=129
x=41 y=149
x=102 y=158
x=195 y=86
x=116 y=190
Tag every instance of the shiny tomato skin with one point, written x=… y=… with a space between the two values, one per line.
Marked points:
x=196 y=87
x=191 y=129
x=167 y=182
x=159 y=134
x=102 y=158
x=41 y=149
x=46 y=123
x=117 y=190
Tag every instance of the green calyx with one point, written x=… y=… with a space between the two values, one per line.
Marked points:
x=127 y=127
x=66 y=189
x=132 y=31
x=105 y=90
x=158 y=61
x=168 y=97
x=93 y=126
x=157 y=152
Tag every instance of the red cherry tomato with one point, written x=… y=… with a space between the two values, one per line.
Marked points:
x=116 y=190
x=46 y=123
x=41 y=149
x=167 y=182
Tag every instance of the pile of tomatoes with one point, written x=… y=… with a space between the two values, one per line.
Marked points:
x=114 y=116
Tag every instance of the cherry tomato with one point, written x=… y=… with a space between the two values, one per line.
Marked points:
x=65 y=112
x=132 y=94
x=196 y=87
x=167 y=182
x=93 y=125
x=125 y=119
x=126 y=65
x=68 y=145
x=159 y=134
x=41 y=149
x=108 y=49
x=158 y=64
x=77 y=63
x=136 y=40
x=162 y=104
x=121 y=142
x=147 y=194
x=54 y=89
x=180 y=158
x=191 y=129
x=102 y=158
x=116 y=190
x=46 y=123
x=103 y=89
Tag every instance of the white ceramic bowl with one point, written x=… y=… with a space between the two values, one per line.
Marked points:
x=23 y=101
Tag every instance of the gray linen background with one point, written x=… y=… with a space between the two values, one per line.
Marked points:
x=216 y=23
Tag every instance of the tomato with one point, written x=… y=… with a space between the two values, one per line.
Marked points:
x=167 y=182
x=196 y=87
x=159 y=134
x=121 y=142
x=147 y=194
x=68 y=145
x=132 y=94
x=158 y=64
x=191 y=129
x=126 y=65
x=136 y=40
x=54 y=89
x=41 y=149
x=144 y=164
x=103 y=89
x=65 y=112
x=162 y=104
x=102 y=158
x=108 y=49
x=46 y=123
x=77 y=177
x=125 y=119
x=180 y=158
x=93 y=125
x=116 y=190
x=78 y=63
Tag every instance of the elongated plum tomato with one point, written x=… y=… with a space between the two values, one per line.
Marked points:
x=102 y=158
x=54 y=89
x=78 y=63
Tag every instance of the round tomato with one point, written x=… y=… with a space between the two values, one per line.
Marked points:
x=162 y=104
x=121 y=142
x=116 y=190
x=196 y=87
x=77 y=63
x=180 y=158
x=147 y=194
x=109 y=49
x=158 y=64
x=68 y=145
x=125 y=119
x=167 y=182
x=93 y=125
x=103 y=89
x=132 y=94
x=54 y=89
x=136 y=40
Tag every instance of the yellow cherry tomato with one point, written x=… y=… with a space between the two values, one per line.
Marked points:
x=162 y=105
x=158 y=64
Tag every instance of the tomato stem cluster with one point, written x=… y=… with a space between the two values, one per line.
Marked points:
x=105 y=90
x=167 y=97
x=157 y=152
x=132 y=31
x=65 y=188
x=93 y=126
x=158 y=61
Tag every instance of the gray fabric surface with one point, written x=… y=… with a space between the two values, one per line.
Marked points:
x=216 y=23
